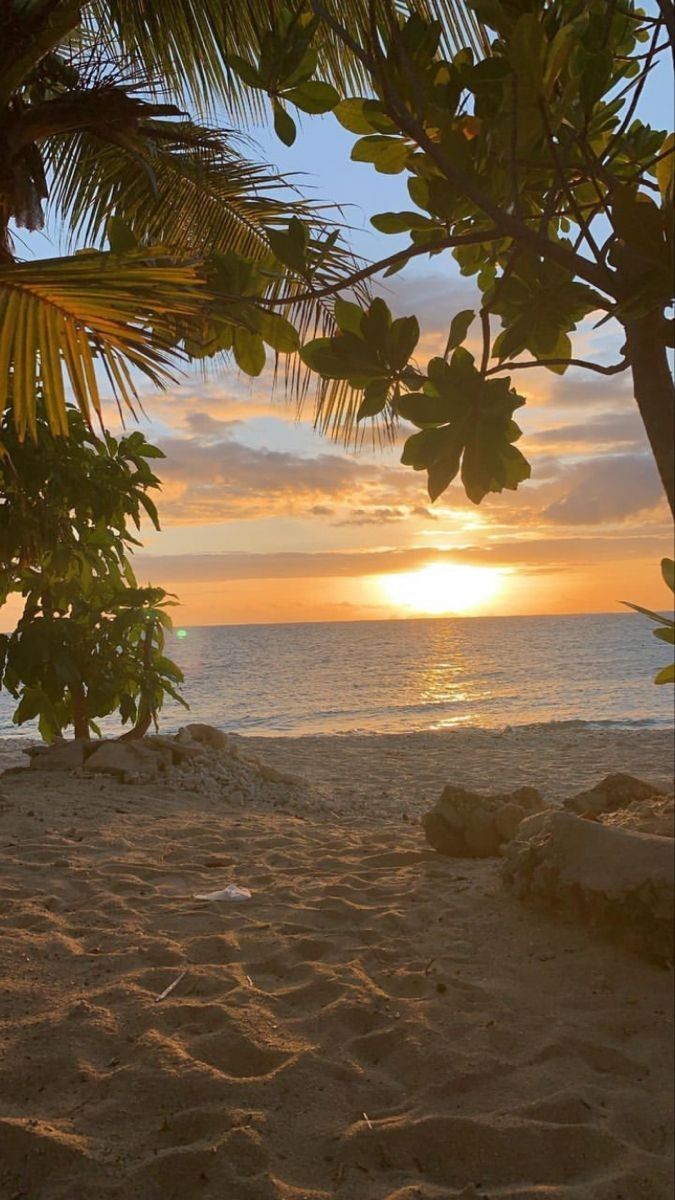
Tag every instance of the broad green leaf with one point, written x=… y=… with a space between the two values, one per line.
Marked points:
x=120 y=236
x=374 y=399
x=278 y=332
x=313 y=96
x=668 y=572
x=666 y=675
x=348 y=316
x=245 y=70
x=422 y=410
x=528 y=48
x=363 y=116
x=403 y=336
x=284 y=125
x=665 y=169
x=401 y=222
x=389 y=155
x=459 y=327
x=249 y=352
x=321 y=357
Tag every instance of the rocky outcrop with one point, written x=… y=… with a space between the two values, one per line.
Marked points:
x=612 y=793
x=614 y=879
x=476 y=824
x=655 y=815
x=125 y=759
x=59 y=756
x=199 y=759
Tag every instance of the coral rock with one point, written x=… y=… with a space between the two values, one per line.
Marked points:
x=60 y=756
x=613 y=792
x=127 y=758
x=208 y=735
x=475 y=825
x=617 y=880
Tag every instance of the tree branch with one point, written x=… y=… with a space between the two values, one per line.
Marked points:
x=401 y=256
x=614 y=369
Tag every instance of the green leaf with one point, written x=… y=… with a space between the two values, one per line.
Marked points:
x=459 y=327
x=399 y=222
x=245 y=70
x=528 y=48
x=363 y=116
x=404 y=334
x=313 y=96
x=288 y=248
x=278 y=332
x=374 y=399
x=666 y=675
x=320 y=356
x=348 y=316
x=422 y=410
x=120 y=236
x=249 y=351
x=284 y=125
x=668 y=572
x=665 y=169
x=389 y=155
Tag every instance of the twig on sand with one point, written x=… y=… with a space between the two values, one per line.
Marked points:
x=367 y=1120
x=168 y=990
x=429 y=965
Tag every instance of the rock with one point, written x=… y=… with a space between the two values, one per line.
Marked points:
x=475 y=825
x=656 y=815
x=614 y=879
x=180 y=749
x=208 y=735
x=508 y=818
x=613 y=792
x=127 y=758
x=60 y=756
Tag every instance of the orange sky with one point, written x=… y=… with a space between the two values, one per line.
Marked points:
x=265 y=520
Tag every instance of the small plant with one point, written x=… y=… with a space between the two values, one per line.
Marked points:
x=90 y=641
x=666 y=626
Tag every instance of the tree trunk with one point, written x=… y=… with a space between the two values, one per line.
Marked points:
x=144 y=722
x=653 y=390
x=80 y=719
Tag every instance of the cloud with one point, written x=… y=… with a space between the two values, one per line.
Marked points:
x=607 y=489
x=602 y=431
x=541 y=554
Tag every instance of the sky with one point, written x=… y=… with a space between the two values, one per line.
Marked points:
x=265 y=520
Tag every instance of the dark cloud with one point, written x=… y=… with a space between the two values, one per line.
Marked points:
x=548 y=554
x=606 y=430
x=216 y=479
x=209 y=428
x=607 y=489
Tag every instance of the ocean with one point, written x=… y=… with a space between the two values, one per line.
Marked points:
x=400 y=676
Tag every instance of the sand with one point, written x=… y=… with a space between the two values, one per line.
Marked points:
x=376 y=1023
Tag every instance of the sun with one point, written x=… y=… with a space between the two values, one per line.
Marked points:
x=439 y=588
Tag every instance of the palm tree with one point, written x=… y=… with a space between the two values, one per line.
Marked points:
x=107 y=115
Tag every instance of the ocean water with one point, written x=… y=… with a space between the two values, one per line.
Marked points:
x=390 y=676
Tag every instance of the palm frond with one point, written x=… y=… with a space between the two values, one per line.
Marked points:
x=186 y=42
x=65 y=321
x=175 y=183
x=185 y=186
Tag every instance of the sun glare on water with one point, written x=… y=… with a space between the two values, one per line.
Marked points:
x=440 y=588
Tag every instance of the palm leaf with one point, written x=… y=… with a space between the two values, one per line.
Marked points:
x=66 y=321
x=186 y=42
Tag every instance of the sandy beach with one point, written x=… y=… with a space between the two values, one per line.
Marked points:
x=376 y=1023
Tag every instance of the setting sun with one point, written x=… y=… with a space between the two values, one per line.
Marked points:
x=442 y=588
